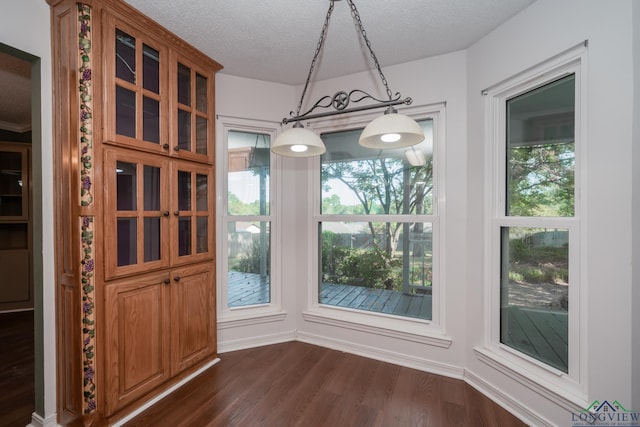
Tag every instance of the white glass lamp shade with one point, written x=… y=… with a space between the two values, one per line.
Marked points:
x=392 y=130
x=298 y=142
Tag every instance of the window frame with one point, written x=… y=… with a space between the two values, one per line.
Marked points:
x=229 y=317
x=570 y=388
x=432 y=332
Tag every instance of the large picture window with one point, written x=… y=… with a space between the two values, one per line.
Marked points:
x=376 y=227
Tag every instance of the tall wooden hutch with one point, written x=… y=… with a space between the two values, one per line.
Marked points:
x=134 y=157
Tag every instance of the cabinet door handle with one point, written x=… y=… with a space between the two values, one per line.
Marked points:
x=176 y=148
x=167 y=281
x=176 y=213
x=165 y=213
x=165 y=146
x=176 y=278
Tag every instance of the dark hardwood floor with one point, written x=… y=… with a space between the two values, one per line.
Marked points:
x=298 y=384
x=17 y=395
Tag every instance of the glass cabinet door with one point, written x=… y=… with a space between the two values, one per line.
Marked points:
x=135 y=99
x=193 y=108
x=13 y=183
x=137 y=229
x=192 y=236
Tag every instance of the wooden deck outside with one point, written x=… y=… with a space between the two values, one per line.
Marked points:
x=377 y=300
x=249 y=289
x=542 y=334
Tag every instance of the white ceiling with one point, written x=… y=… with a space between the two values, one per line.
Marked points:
x=275 y=40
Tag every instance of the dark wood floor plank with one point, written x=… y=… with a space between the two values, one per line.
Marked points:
x=299 y=384
x=300 y=399
x=316 y=413
x=17 y=387
x=414 y=400
x=383 y=381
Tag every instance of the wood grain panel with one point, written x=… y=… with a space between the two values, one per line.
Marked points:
x=65 y=150
x=136 y=330
x=193 y=335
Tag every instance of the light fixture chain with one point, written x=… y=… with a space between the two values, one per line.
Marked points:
x=317 y=53
x=356 y=17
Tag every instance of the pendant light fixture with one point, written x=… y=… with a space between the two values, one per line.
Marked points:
x=392 y=130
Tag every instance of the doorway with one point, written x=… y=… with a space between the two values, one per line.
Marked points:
x=20 y=232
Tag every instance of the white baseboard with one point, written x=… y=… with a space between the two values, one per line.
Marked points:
x=244 y=343
x=38 y=421
x=516 y=408
x=395 y=358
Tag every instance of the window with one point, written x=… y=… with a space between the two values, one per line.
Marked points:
x=248 y=219
x=533 y=262
x=377 y=226
x=540 y=168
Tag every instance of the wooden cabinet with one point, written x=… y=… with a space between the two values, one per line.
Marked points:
x=137 y=87
x=16 y=289
x=193 y=332
x=134 y=159
x=193 y=213
x=137 y=329
x=192 y=109
x=157 y=325
x=158 y=158
x=157 y=99
x=138 y=212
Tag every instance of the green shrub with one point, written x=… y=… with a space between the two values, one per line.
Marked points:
x=371 y=268
x=251 y=262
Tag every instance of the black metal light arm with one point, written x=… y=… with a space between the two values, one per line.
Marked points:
x=342 y=99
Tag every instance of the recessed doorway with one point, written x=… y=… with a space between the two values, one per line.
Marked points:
x=20 y=234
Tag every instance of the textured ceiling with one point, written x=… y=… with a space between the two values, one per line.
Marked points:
x=275 y=40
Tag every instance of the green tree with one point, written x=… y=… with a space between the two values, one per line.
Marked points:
x=541 y=180
x=238 y=207
x=382 y=186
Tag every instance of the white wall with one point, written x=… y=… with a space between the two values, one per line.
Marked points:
x=635 y=301
x=545 y=29
x=25 y=25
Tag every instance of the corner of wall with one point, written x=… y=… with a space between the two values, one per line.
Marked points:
x=635 y=212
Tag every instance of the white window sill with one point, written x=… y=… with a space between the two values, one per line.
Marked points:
x=551 y=383
x=243 y=317
x=415 y=330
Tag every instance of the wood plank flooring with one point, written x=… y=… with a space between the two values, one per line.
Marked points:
x=17 y=393
x=298 y=384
